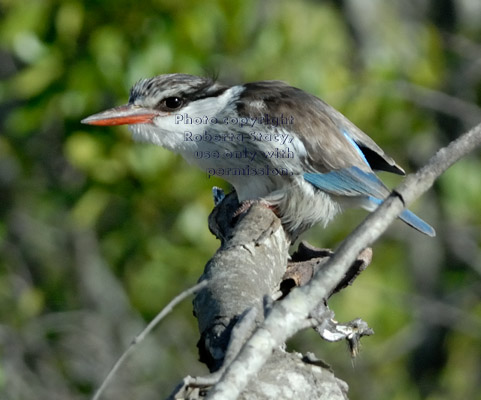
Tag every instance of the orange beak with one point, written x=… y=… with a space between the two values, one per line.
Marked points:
x=123 y=115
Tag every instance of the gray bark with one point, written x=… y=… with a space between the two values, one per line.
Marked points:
x=244 y=277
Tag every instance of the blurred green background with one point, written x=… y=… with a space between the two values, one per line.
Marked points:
x=97 y=234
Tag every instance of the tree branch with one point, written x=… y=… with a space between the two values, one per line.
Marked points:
x=246 y=274
x=285 y=317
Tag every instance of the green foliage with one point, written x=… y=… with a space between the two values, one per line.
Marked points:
x=98 y=233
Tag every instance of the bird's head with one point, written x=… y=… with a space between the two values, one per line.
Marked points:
x=154 y=104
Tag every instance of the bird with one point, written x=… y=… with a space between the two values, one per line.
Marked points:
x=274 y=143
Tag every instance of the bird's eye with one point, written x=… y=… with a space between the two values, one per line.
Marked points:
x=172 y=103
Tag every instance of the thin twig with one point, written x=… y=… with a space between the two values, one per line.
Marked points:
x=141 y=336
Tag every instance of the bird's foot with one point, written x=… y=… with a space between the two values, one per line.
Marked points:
x=247 y=204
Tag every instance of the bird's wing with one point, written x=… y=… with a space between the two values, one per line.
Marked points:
x=333 y=161
x=349 y=182
x=332 y=142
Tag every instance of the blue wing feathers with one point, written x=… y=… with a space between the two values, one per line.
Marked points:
x=354 y=144
x=348 y=182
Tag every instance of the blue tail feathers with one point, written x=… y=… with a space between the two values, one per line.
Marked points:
x=411 y=219
x=417 y=223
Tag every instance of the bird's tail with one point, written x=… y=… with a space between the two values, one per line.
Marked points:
x=417 y=223
x=406 y=216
